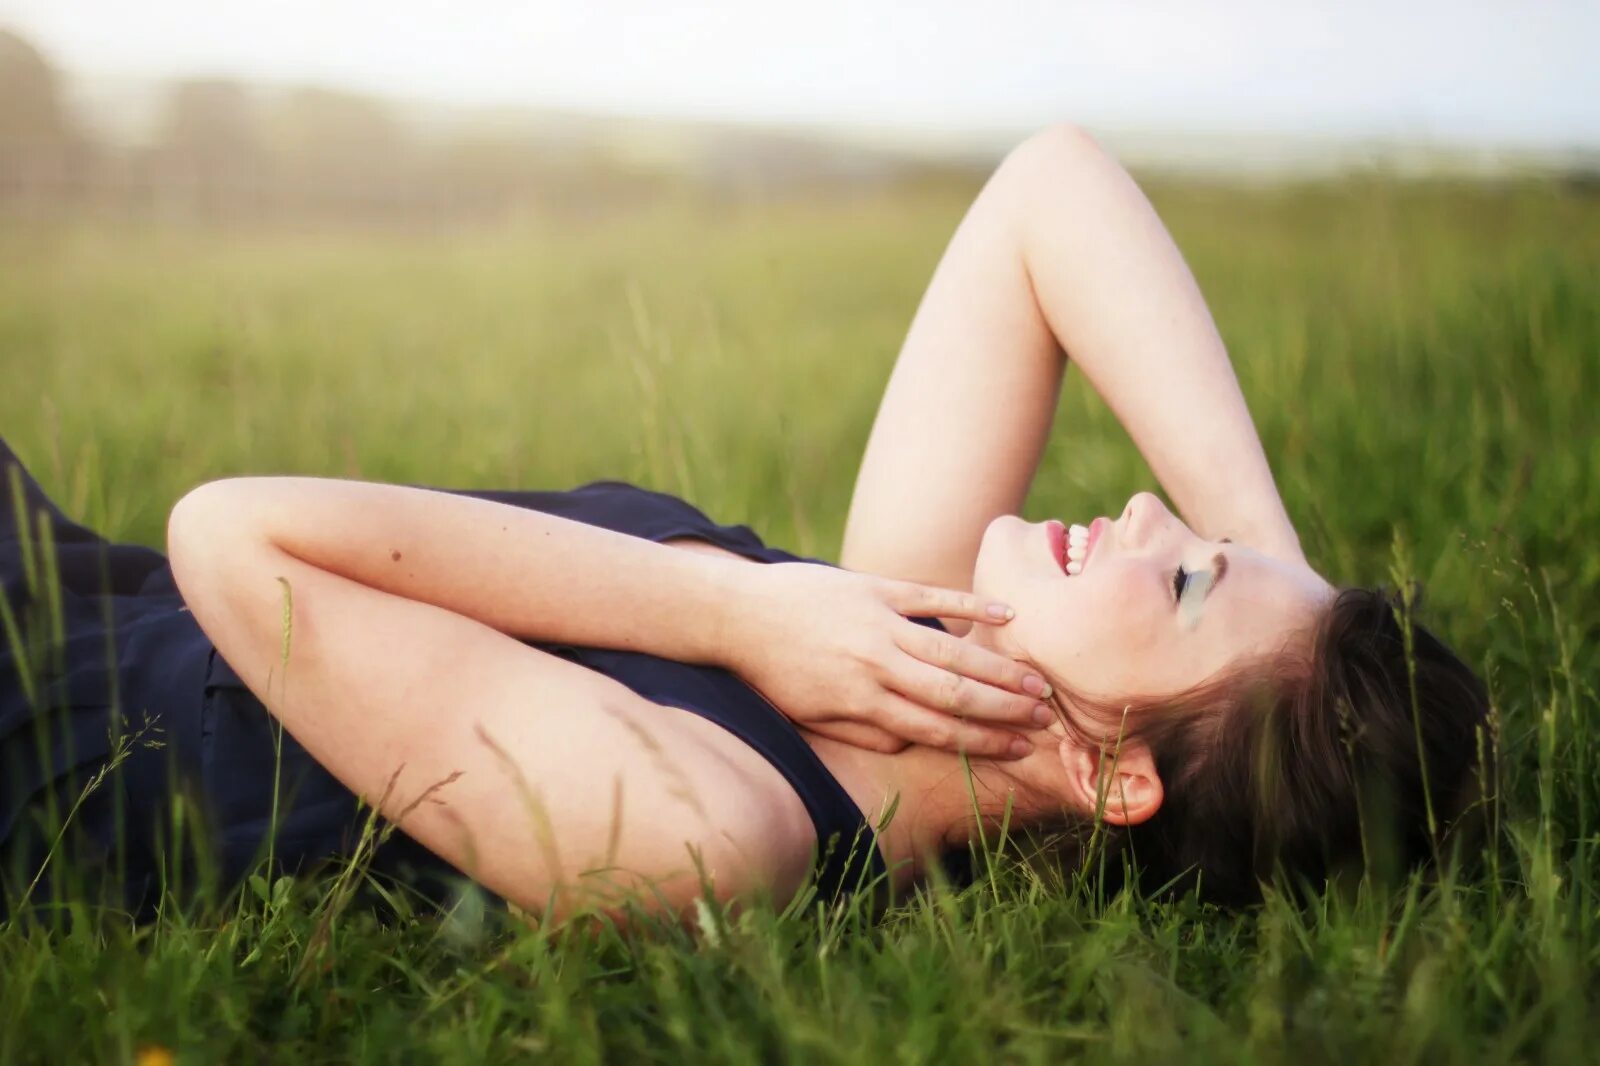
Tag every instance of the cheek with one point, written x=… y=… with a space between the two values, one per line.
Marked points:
x=1116 y=606
x=1097 y=633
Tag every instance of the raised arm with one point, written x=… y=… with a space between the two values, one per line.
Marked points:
x=1060 y=257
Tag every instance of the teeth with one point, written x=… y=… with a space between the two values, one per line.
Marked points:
x=1077 y=548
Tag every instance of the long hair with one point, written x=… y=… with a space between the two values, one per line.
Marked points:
x=1359 y=746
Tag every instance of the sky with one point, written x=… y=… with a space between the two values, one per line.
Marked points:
x=1475 y=72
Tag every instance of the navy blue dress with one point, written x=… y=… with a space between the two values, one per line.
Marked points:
x=119 y=720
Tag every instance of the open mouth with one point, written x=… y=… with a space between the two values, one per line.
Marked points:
x=1056 y=533
x=1071 y=545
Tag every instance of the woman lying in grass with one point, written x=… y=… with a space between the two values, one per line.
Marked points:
x=572 y=695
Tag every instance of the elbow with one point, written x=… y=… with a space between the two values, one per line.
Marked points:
x=201 y=527
x=1061 y=148
x=1064 y=137
x=1059 y=168
x=189 y=518
x=188 y=525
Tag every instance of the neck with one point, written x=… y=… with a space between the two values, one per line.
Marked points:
x=937 y=803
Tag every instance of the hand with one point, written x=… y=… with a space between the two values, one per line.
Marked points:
x=834 y=651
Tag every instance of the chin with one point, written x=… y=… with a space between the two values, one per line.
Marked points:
x=994 y=569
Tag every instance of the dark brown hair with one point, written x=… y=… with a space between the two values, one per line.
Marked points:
x=1357 y=747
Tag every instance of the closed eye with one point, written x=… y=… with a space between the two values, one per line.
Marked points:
x=1182 y=579
x=1180 y=576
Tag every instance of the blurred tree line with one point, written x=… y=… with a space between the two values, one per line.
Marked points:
x=221 y=150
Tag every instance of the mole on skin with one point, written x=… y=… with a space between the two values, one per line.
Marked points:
x=394 y=554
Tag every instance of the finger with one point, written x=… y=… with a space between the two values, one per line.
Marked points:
x=951 y=693
x=970 y=660
x=928 y=601
x=918 y=724
x=860 y=735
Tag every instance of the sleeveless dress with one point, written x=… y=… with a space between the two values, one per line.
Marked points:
x=131 y=753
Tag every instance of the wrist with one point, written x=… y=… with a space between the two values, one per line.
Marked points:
x=1276 y=538
x=729 y=607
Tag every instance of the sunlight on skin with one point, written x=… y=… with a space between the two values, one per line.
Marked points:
x=1119 y=627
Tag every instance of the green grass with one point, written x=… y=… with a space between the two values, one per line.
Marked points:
x=1423 y=363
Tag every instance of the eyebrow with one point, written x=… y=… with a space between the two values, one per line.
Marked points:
x=1219 y=567
x=1190 y=609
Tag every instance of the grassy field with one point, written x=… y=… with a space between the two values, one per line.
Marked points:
x=1423 y=363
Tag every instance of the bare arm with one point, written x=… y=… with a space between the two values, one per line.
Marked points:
x=830 y=648
x=376 y=622
x=549 y=783
x=1060 y=256
x=522 y=572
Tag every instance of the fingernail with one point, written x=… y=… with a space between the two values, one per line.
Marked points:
x=1034 y=685
x=997 y=610
x=1042 y=715
x=1019 y=748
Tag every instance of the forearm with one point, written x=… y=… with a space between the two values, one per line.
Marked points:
x=528 y=574
x=1124 y=306
x=1059 y=252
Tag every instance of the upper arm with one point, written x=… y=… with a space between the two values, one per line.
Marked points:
x=967 y=408
x=545 y=781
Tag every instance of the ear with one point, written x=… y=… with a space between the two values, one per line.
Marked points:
x=1133 y=794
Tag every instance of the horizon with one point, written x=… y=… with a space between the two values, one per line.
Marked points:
x=1507 y=83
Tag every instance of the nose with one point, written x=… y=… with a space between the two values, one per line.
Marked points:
x=1145 y=516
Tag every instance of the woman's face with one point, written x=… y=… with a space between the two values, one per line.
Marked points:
x=1120 y=628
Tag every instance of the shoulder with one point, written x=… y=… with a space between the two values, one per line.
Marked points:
x=721 y=804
